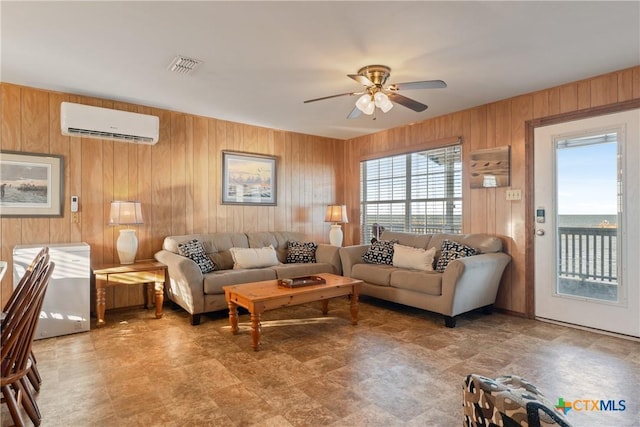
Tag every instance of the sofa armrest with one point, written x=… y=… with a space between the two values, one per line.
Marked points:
x=350 y=256
x=186 y=282
x=329 y=254
x=472 y=282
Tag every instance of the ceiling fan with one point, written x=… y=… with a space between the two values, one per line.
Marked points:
x=378 y=94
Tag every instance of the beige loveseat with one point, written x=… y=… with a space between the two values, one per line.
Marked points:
x=466 y=283
x=201 y=293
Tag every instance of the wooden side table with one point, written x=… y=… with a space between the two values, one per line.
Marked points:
x=143 y=272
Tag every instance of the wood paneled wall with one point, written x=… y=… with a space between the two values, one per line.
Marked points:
x=177 y=180
x=493 y=125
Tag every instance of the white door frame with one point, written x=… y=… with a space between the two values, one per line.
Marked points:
x=529 y=220
x=621 y=317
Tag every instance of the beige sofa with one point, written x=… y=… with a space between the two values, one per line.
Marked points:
x=201 y=293
x=466 y=283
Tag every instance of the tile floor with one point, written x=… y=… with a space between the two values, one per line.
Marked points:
x=398 y=367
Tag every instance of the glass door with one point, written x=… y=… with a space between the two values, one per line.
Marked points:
x=588 y=223
x=587 y=216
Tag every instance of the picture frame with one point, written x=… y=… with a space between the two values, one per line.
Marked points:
x=490 y=168
x=248 y=179
x=31 y=185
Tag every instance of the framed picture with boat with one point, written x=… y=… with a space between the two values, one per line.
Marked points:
x=31 y=184
x=248 y=179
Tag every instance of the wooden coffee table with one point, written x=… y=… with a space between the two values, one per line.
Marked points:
x=258 y=297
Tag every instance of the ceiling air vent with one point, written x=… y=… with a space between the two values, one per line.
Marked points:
x=183 y=65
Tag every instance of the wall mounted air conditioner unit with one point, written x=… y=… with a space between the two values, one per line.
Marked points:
x=94 y=122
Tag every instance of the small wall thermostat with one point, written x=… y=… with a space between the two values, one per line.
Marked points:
x=540 y=215
x=74 y=203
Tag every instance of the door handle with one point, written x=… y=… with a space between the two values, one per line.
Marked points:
x=539 y=232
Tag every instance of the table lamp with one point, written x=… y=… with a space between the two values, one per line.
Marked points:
x=126 y=213
x=336 y=214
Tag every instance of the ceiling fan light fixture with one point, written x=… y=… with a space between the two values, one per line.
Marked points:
x=379 y=98
x=386 y=106
x=382 y=101
x=377 y=94
x=366 y=104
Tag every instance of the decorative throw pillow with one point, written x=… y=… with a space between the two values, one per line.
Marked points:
x=254 y=257
x=194 y=250
x=451 y=250
x=413 y=258
x=298 y=252
x=380 y=252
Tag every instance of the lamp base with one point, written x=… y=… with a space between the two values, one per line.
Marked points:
x=335 y=235
x=127 y=246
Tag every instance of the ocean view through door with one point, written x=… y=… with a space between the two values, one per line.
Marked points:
x=587 y=223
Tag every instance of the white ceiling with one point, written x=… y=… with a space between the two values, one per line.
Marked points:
x=263 y=59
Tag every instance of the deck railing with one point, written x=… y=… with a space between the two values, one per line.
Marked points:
x=588 y=254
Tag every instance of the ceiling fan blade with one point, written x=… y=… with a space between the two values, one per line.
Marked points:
x=331 y=96
x=407 y=102
x=361 y=79
x=354 y=114
x=427 y=84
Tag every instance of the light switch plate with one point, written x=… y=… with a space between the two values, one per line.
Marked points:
x=514 y=194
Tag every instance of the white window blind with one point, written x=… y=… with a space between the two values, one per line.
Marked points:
x=417 y=192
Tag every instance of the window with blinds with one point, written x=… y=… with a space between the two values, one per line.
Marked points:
x=417 y=192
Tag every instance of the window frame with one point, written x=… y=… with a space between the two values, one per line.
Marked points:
x=452 y=199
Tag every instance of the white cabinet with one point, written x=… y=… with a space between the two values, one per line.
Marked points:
x=66 y=305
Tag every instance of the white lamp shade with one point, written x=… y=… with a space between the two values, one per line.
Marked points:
x=366 y=104
x=125 y=213
x=336 y=213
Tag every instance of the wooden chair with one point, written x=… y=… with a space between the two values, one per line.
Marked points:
x=40 y=260
x=18 y=329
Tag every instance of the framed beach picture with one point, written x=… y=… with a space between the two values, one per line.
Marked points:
x=248 y=179
x=31 y=185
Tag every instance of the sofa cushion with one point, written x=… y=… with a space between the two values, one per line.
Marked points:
x=426 y=282
x=220 y=243
x=254 y=257
x=376 y=274
x=277 y=239
x=213 y=282
x=413 y=258
x=408 y=239
x=453 y=250
x=194 y=250
x=216 y=245
x=298 y=252
x=483 y=243
x=287 y=271
x=380 y=252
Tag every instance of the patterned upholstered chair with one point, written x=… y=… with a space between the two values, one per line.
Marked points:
x=507 y=401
